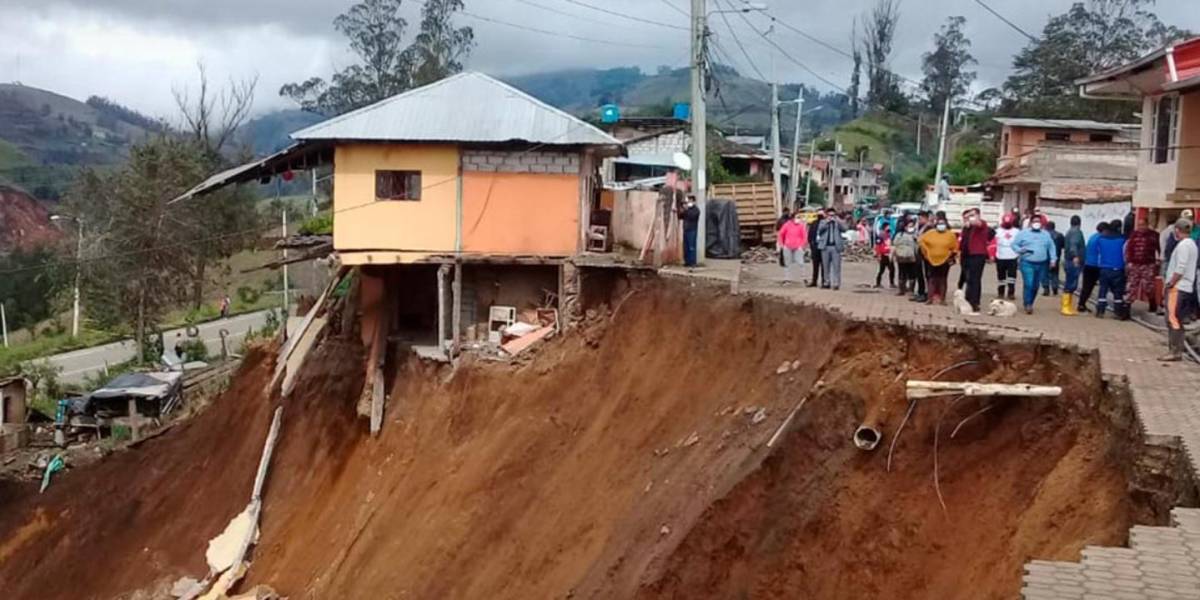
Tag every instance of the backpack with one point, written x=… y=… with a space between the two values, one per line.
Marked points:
x=904 y=247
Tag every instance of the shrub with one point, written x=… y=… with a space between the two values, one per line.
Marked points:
x=193 y=350
x=248 y=295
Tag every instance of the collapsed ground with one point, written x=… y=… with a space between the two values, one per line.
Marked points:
x=625 y=461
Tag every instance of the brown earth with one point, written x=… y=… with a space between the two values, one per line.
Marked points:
x=620 y=463
x=24 y=222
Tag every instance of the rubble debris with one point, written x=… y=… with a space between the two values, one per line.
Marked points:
x=784 y=368
x=760 y=255
x=691 y=440
x=524 y=342
x=186 y=587
x=664 y=530
x=759 y=416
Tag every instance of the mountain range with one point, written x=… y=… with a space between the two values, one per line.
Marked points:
x=45 y=136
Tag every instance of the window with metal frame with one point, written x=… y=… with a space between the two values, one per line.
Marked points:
x=1166 y=128
x=398 y=185
x=1058 y=136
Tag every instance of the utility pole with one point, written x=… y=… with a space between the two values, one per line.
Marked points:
x=834 y=175
x=286 y=303
x=812 y=157
x=858 y=178
x=4 y=324
x=920 y=117
x=776 y=168
x=942 y=142
x=313 y=173
x=699 y=124
x=78 y=270
x=793 y=177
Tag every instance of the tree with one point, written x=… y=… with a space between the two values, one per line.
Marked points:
x=856 y=75
x=30 y=282
x=946 y=68
x=440 y=48
x=1088 y=38
x=144 y=270
x=375 y=30
x=879 y=34
x=211 y=119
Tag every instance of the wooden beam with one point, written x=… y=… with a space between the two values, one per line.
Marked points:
x=456 y=316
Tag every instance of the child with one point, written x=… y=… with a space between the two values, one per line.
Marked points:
x=883 y=253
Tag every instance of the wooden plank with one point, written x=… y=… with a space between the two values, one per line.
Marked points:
x=933 y=389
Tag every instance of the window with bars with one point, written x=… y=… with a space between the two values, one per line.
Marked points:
x=1166 y=128
x=398 y=185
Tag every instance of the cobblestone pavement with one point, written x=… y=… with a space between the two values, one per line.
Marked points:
x=1161 y=562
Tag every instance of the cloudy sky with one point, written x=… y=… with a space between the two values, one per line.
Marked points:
x=135 y=51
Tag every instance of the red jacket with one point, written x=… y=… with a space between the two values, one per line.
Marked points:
x=975 y=241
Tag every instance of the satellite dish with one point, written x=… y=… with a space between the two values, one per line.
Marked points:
x=610 y=113
x=682 y=161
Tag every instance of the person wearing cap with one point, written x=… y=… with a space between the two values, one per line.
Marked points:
x=973 y=246
x=1006 y=257
x=1038 y=255
x=690 y=215
x=1180 y=299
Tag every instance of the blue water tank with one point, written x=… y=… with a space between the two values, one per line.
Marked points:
x=683 y=111
x=610 y=113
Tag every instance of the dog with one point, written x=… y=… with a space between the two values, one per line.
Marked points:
x=1002 y=308
x=961 y=306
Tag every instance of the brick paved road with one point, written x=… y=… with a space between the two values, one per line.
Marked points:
x=1162 y=562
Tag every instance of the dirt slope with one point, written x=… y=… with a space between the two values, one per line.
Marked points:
x=24 y=222
x=139 y=515
x=575 y=476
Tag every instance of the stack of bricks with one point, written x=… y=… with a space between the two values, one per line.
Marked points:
x=556 y=163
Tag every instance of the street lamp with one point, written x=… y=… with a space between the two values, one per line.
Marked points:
x=78 y=269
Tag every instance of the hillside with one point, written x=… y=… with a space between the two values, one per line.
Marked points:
x=44 y=136
x=269 y=133
x=738 y=102
x=24 y=222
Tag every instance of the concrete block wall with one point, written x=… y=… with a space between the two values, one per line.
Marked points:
x=499 y=161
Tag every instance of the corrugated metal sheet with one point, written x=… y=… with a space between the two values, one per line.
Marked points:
x=1076 y=124
x=468 y=107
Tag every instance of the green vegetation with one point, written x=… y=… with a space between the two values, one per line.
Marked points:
x=319 y=225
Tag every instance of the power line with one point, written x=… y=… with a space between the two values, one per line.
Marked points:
x=677 y=9
x=1031 y=37
x=560 y=34
x=559 y=11
x=738 y=41
x=626 y=16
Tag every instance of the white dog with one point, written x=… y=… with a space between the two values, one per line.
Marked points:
x=961 y=305
x=1002 y=308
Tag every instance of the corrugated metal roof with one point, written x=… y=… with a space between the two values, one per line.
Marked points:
x=468 y=107
x=1065 y=124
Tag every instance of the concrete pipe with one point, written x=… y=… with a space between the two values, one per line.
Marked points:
x=867 y=437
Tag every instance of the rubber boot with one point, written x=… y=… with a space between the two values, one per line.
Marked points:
x=1068 y=305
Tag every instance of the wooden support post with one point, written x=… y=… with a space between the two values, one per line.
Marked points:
x=933 y=389
x=135 y=421
x=442 y=274
x=456 y=317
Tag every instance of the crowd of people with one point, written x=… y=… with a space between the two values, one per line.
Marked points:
x=1121 y=262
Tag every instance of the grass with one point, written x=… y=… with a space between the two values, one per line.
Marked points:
x=46 y=345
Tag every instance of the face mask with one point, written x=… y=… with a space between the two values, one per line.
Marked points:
x=1037 y=226
x=911 y=229
x=973 y=220
x=941 y=226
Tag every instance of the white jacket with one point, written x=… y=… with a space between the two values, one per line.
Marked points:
x=1004 y=243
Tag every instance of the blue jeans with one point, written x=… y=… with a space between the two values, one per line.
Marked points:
x=1032 y=276
x=1071 y=278
x=1111 y=280
x=689 y=246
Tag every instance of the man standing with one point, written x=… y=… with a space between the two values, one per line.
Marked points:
x=1111 y=251
x=813 y=228
x=690 y=215
x=1091 y=267
x=831 y=243
x=1074 y=250
x=1180 y=289
x=1050 y=285
x=976 y=236
x=1036 y=249
x=1141 y=262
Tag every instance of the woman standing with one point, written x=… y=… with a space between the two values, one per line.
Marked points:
x=793 y=241
x=883 y=253
x=939 y=246
x=1006 y=258
x=905 y=251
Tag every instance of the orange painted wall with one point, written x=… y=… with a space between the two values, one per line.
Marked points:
x=520 y=213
